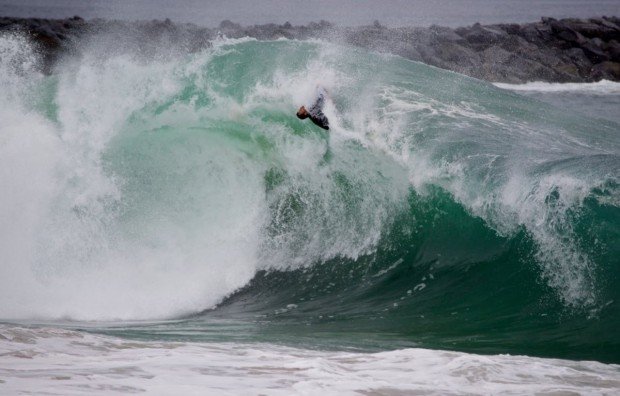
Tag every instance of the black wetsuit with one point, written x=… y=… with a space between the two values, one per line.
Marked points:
x=316 y=111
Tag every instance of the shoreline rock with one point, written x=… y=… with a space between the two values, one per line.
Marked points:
x=565 y=50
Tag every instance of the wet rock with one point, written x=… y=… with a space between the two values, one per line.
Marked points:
x=580 y=60
x=606 y=71
x=608 y=24
x=593 y=28
x=594 y=53
x=229 y=25
x=613 y=49
x=496 y=55
x=454 y=53
x=530 y=33
x=563 y=32
x=481 y=37
x=444 y=34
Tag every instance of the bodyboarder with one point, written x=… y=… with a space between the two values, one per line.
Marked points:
x=315 y=112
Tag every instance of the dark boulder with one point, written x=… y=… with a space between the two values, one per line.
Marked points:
x=481 y=37
x=606 y=71
x=608 y=24
x=227 y=24
x=564 y=32
x=613 y=49
x=455 y=53
x=444 y=34
x=590 y=28
x=594 y=53
x=580 y=60
x=496 y=55
x=531 y=33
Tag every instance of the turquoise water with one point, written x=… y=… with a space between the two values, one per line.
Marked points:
x=177 y=197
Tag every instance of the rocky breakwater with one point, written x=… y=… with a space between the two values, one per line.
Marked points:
x=566 y=50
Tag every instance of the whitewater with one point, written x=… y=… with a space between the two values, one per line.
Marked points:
x=168 y=224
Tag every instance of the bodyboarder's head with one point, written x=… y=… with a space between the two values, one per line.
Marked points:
x=302 y=113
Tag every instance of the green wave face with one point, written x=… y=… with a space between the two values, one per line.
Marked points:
x=438 y=211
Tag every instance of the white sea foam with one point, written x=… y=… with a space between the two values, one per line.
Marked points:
x=62 y=362
x=603 y=87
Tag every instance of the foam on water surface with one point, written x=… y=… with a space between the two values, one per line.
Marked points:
x=603 y=87
x=63 y=362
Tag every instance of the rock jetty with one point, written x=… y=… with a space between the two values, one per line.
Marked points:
x=565 y=50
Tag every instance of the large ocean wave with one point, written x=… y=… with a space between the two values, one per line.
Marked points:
x=148 y=185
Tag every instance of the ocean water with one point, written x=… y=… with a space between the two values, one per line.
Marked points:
x=168 y=225
x=343 y=12
x=598 y=100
